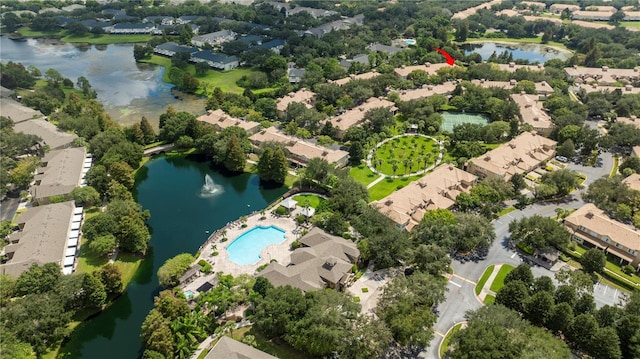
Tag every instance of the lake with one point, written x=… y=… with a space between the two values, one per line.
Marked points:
x=523 y=51
x=128 y=90
x=180 y=216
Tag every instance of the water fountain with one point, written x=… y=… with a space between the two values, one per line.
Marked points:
x=210 y=188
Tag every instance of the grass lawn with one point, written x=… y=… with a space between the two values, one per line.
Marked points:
x=362 y=174
x=27 y=32
x=507 y=210
x=274 y=347
x=107 y=39
x=483 y=279
x=524 y=40
x=447 y=339
x=498 y=281
x=489 y=299
x=614 y=170
x=314 y=201
x=388 y=186
x=409 y=148
x=225 y=80
x=630 y=23
x=127 y=263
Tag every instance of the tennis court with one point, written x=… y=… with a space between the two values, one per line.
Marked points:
x=451 y=119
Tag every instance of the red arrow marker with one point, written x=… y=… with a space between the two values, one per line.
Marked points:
x=450 y=60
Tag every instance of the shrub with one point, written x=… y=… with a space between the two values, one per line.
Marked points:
x=399 y=186
x=262 y=267
x=347 y=235
x=365 y=290
x=356 y=299
x=215 y=253
x=628 y=270
x=301 y=219
x=295 y=245
x=281 y=211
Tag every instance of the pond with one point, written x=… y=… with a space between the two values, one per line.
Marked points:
x=451 y=119
x=180 y=218
x=128 y=90
x=521 y=51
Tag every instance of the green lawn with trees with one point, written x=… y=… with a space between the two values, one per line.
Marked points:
x=363 y=174
x=404 y=155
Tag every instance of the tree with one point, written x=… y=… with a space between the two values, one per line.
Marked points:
x=111 y=278
x=538 y=308
x=405 y=305
x=147 y=130
x=38 y=279
x=356 y=153
x=103 y=245
x=280 y=308
x=156 y=334
x=497 y=332
x=379 y=118
x=169 y=273
x=94 y=291
x=273 y=164
x=593 y=260
x=37 y=319
x=567 y=149
x=22 y=173
x=201 y=69
x=580 y=333
x=122 y=173
x=141 y=52
x=235 y=159
x=631 y=162
x=563 y=179
x=520 y=273
x=513 y=295
x=85 y=196
x=560 y=318
x=539 y=232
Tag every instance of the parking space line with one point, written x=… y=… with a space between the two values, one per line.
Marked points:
x=513 y=255
x=615 y=295
x=456 y=284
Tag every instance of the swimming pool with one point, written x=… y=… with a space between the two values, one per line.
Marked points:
x=247 y=247
x=189 y=294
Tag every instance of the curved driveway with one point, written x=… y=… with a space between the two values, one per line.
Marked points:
x=461 y=295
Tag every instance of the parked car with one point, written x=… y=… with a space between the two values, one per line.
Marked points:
x=562 y=159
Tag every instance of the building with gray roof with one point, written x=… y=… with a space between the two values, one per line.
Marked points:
x=216 y=60
x=324 y=261
x=60 y=173
x=171 y=48
x=229 y=348
x=16 y=111
x=42 y=238
x=48 y=132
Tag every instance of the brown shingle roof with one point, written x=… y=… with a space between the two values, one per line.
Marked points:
x=222 y=120
x=434 y=190
x=592 y=218
x=228 y=348
x=633 y=181
x=427 y=91
x=325 y=259
x=364 y=76
x=299 y=150
x=520 y=155
x=303 y=96
x=356 y=115
x=60 y=174
x=531 y=112
x=49 y=133
x=43 y=238
x=428 y=68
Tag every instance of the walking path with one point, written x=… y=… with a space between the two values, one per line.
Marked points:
x=382 y=175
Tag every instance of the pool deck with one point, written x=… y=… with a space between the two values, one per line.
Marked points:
x=221 y=263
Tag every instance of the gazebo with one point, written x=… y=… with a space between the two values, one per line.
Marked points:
x=289 y=204
x=308 y=211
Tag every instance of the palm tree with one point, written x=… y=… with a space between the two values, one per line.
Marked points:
x=406 y=164
x=410 y=163
x=262 y=212
x=223 y=233
x=394 y=166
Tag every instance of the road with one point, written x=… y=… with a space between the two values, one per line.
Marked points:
x=461 y=297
